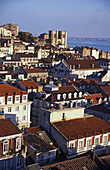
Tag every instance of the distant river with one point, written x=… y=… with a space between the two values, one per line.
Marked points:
x=102 y=45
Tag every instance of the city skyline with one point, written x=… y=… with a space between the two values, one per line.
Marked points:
x=79 y=18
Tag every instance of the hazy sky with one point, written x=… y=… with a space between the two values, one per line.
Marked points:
x=85 y=18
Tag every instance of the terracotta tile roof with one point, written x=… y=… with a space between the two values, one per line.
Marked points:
x=6 y=88
x=66 y=89
x=84 y=64
x=80 y=163
x=94 y=97
x=40 y=131
x=28 y=84
x=106 y=89
x=8 y=128
x=77 y=128
x=35 y=141
x=36 y=70
x=35 y=129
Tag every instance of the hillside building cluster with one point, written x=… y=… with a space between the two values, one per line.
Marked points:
x=54 y=103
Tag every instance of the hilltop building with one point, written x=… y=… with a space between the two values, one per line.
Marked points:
x=58 y=38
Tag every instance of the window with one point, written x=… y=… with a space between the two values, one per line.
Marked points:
x=105 y=139
x=63 y=117
x=81 y=144
x=1 y=100
x=24 y=97
x=17 y=108
x=1 y=110
x=80 y=94
x=17 y=118
x=17 y=98
x=64 y=96
x=18 y=143
x=9 y=109
x=5 y=146
x=72 y=146
x=24 y=107
x=9 y=99
x=69 y=95
x=58 y=97
x=75 y=95
x=97 y=141
x=23 y=118
x=89 y=143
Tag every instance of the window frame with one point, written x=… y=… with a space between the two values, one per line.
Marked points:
x=105 y=135
x=80 y=142
x=18 y=146
x=5 y=142
x=9 y=109
x=24 y=116
x=97 y=137
x=17 y=108
x=24 y=107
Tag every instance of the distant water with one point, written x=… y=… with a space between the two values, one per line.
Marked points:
x=102 y=45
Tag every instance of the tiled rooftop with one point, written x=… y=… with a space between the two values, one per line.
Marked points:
x=35 y=129
x=35 y=141
x=28 y=84
x=78 y=128
x=36 y=70
x=6 y=88
x=76 y=164
x=94 y=97
x=66 y=89
x=84 y=64
x=8 y=128
x=106 y=89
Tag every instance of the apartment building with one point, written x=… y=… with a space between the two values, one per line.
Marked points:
x=14 y=104
x=77 y=136
x=12 y=156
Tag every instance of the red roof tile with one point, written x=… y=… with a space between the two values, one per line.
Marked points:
x=66 y=89
x=28 y=84
x=94 y=97
x=106 y=89
x=6 y=88
x=35 y=129
x=84 y=64
x=77 y=128
x=36 y=70
x=8 y=128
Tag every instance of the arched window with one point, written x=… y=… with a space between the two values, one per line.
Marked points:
x=17 y=118
x=18 y=143
x=5 y=147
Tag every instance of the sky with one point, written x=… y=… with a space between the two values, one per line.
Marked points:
x=80 y=18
